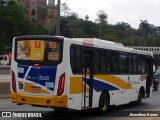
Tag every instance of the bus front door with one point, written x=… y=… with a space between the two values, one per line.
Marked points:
x=87 y=79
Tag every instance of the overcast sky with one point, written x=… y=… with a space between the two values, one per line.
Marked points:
x=128 y=11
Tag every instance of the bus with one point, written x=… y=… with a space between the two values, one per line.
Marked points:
x=78 y=73
x=4 y=60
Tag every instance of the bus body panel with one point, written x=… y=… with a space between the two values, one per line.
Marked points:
x=37 y=85
x=122 y=88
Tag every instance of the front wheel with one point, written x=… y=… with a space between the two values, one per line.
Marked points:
x=104 y=102
x=156 y=86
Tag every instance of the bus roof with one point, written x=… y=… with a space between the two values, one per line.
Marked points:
x=90 y=42
x=111 y=45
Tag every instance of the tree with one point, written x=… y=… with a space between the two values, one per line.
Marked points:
x=102 y=20
x=86 y=17
x=148 y=32
x=65 y=10
x=73 y=15
x=122 y=29
x=102 y=17
x=13 y=21
x=144 y=28
x=43 y=14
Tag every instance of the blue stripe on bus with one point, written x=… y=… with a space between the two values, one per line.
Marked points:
x=99 y=85
x=44 y=76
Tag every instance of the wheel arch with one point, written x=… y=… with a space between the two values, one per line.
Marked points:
x=107 y=92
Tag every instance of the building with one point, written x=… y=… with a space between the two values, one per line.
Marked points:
x=39 y=10
x=52 y=12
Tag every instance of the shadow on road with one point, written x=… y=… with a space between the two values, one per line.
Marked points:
x=119 y=111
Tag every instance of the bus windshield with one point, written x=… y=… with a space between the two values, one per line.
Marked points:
x=43 y=52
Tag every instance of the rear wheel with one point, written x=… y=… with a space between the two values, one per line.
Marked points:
x=104 y=102
x=139 y=99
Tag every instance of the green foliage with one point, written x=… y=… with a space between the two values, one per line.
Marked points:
x=43 y=14
x=14 y=22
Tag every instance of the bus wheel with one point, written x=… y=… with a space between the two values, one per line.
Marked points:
x=139 y=99
x=156 y=86
x=104 y=102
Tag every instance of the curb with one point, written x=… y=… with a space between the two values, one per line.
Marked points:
x=5 y=69
x=4 y=88
x=4 y=96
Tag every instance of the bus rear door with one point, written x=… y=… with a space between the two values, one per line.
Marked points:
x=87 y=76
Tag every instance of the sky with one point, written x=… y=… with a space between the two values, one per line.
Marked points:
x=128 y=11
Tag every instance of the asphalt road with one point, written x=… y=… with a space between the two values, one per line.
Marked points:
x=149 y=105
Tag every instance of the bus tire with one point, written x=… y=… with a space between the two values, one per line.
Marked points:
x=156 y=86
x=104 y=102
x=140 y=96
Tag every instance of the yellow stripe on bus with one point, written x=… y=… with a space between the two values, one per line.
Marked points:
x=114 y=80
x=76 y=85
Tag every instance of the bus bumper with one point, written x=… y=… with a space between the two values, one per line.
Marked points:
x=45 y=101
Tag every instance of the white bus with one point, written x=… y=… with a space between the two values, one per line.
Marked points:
x=78 y=73
x=4 y=60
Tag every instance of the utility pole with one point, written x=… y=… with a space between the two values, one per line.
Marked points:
x=100 y=32
x=58 y=18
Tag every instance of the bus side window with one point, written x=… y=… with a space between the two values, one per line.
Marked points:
x=130 y=65
x=139 y=64
x=134 y=64
x=114 y=62
x=103 y=62
x=96 y=68
x=108 y=59
x=72 y=58
x=123 y=62
x=75 y=56
x=143 y=60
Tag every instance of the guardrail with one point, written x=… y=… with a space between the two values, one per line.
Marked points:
x=5 y=69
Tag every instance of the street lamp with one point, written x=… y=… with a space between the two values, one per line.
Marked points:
x=58 y=18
